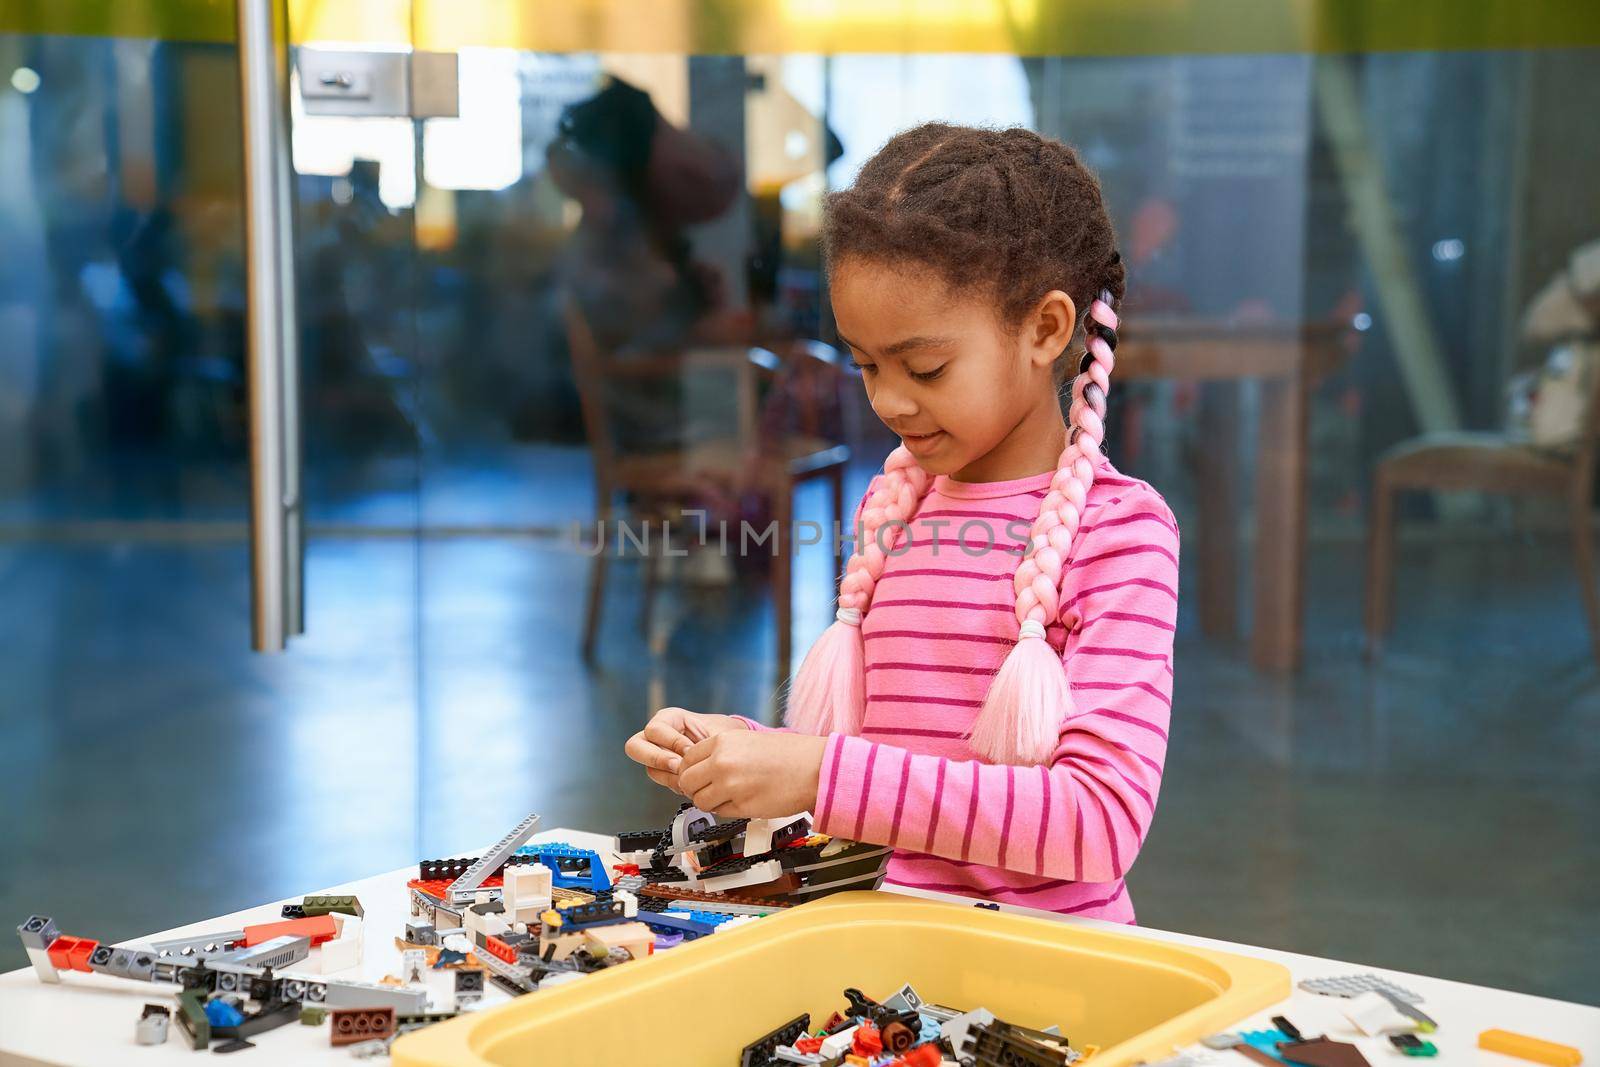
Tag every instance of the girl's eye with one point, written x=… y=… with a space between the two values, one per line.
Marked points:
x=928 y=376
x=864 y=368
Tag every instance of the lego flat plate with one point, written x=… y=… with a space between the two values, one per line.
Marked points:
x=88 y=1020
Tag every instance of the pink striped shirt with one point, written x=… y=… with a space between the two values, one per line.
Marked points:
x=1059 y=836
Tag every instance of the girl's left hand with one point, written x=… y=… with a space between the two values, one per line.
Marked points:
x=756 y=774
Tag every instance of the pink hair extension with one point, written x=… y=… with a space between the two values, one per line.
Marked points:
x=829 y=691
x=1020 y=720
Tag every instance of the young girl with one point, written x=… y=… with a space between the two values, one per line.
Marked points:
x=993 y=698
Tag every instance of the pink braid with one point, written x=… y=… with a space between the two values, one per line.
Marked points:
x=1020 y=720
x=829 y=692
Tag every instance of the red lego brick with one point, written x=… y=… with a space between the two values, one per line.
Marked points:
x=439 y=887
x=80 y=953
x=70 y=953
x=318 y=928
x=625 y=868
x=501 y=949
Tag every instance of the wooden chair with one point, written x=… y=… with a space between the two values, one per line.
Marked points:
x=661 y=481
x=1487 y=463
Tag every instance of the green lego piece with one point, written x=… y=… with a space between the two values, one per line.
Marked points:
x=322 y=905
x=1424 y=1048
x=192 y=1017
x=311 y=1015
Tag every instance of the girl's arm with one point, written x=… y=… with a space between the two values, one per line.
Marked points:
x=1084 y=815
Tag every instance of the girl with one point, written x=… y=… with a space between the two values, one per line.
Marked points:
x=993 y=698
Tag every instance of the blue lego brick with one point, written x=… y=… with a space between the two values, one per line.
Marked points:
x=664 y=923
x=220 y=1013
x=1266 y=1041
x=595 y=880
x=708 y=918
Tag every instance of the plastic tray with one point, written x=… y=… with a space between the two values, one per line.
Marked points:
x=699 y=1004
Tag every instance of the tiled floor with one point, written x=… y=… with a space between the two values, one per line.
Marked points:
x=1436 y=813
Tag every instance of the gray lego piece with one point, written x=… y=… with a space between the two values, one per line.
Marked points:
x=421 y=932
x=100 y=959
x=151 y=1028
x=905 y=999
x=517 y=976
x=38 y=932
x=463 y=888
x=277 y=953
x=372 y=995
x=302 y=988
x=1354 y=985
x=200 y=945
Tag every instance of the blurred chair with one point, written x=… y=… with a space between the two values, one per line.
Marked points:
x=665 y=480
x=1486 y=463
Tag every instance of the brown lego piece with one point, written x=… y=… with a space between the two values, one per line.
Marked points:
x=664 y=892
x=1256 y=1054
x=1322 y=1052
x=350 y=1025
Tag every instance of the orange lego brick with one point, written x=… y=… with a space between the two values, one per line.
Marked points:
x=80 y=953
x=318 y=928
x=1529 y=1048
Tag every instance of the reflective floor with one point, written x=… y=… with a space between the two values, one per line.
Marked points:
x=1436 y=813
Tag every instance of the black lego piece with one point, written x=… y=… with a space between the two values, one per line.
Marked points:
x=272 y=1015
x=987 y=905
x=759 y=1053
x=638 y=840
x=1288 y=1027
x=238 y=1044
x=1001 y=1045
x=294 y=911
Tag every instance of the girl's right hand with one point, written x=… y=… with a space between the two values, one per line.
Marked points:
x=668 y=735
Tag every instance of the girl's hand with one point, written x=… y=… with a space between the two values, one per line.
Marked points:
x=668 y=735
x=749 y=774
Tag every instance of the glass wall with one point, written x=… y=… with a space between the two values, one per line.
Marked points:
x=596 y=294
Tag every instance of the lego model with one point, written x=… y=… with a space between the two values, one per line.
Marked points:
x=519 y=915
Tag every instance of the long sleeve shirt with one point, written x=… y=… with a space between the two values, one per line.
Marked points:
x=1059 y=836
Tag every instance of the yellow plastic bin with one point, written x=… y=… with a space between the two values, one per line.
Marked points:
x=699 y=1004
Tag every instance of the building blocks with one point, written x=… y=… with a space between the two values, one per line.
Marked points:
x=351 y=1025
x=152 y=1026
x=1529 y=1048
x=464 y=886
x=518 y=915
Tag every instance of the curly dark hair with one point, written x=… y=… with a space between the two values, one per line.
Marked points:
x=1008 y=210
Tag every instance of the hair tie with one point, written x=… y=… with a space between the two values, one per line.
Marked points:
x=849 y=616
x=1031 y=628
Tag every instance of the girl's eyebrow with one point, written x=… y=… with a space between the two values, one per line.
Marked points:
x=907 y=345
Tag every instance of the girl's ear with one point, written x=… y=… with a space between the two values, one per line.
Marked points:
x=1047 y=330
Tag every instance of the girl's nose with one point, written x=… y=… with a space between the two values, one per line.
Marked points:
x=891 y=405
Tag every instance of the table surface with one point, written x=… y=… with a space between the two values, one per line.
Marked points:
x=89 y=1018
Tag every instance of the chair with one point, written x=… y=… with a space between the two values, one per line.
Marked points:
x=660 y=480
x=1488 y=463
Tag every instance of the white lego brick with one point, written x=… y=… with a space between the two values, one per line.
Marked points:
x=42 y=966
x=1374 y=1014
x=756 y=874
x=838 y=1044
x=527 y=885
x=340 y=954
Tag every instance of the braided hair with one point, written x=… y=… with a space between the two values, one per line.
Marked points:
x=1012 y=215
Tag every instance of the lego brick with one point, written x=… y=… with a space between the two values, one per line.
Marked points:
x=39 y=931
x=312 y=1016
x=200 y=944
x=302 y=990
x=350 y=994
x=318 y=928
x=498 y=853
x=277 y=953
x=192 y=1018
x=743 y=874
x=151 y=1028
x=1534 y=1049
x=323 y=905
x=732 y=903
x=350 y=1025
x=340 y=955
x=421 y=932
x=759 y=1053
x=78 y=955
x=237 y=1044
x=43 y=967
x=415 y=1020
x=1354 y=985
x=688 y=929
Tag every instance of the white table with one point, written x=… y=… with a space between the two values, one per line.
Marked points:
x=89 y=1019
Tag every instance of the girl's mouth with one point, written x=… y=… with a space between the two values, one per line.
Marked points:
x=922 y=442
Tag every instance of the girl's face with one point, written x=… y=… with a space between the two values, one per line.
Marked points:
x=968 y=397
